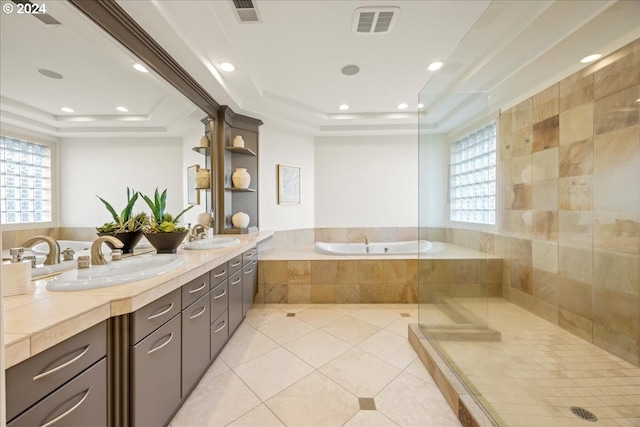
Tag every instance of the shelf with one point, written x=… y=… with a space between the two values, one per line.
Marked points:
x=246 y=190
x=241 y=150
x=201 y=150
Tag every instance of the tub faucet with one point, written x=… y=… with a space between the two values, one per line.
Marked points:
x=97 y=258
x=54 y=248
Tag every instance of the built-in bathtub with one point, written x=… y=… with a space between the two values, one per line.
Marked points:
x=377 y=248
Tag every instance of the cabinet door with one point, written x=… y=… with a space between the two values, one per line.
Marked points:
x=235 y=264
x=219 y=274
x=219 y=333
x=195 y=342
x=155 y=376
x=249 y=286
x=235 y=301
x=194 y=290
x=31 y=380
x=81 y=402
x=219 y=299
x=153 y=315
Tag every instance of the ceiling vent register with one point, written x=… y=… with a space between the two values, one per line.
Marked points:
x=374 y=20
x=246 y=11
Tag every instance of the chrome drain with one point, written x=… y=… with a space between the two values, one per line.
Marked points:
x=584 y=414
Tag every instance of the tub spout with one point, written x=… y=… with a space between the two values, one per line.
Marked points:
x=54 y=248
x=97 y=258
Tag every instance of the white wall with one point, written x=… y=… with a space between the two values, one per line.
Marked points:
x=433 y=181
x=279 y=146
x=107 y=166
x=366 y=181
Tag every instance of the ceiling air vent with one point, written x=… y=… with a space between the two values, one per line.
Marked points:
x=246 y=11
x=374 y=20
x=44 y=17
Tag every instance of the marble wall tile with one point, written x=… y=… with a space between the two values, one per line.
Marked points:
x=616 y=271
x=576 y=297
x=621 y=345
x=545 y=104
x=576 y=229
x=275 y=294
x=612 y=190
x=275 y=272
x=323 y=272
x=617 y=111
x=576 y=124
x=621 y=73
x=545 y=225
x=576 y=193
x=358 y=235
x=545 y=286
x=576 y=158
x=617 y=231
x=545 y=256
x=299 y=272
x=323 y=294
x=440 y=271
x=545 y=195
x=522 y=169
x=467 y=271
x=576 y=90
x=412 y=271
x=504 y=123
x=576 y=264
x=394 y=271
x=347 y=272
x=299 y=294
x=546 y=133
x=545 y=165
x=522 y=114
x=616 y=311
x=370 y=272
x=617 y=150
x=406 y=234
x=575 y=324
x=522 y=276
x=390 y=234
x=332 y=235
x=347 y=294
x=520 y=141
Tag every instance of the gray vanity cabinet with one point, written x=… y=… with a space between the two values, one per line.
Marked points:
x=195 y=342
x=249 y=279
x=235 y=301
x=67 y=382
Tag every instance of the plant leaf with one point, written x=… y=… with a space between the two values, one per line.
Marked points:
x=113 y=212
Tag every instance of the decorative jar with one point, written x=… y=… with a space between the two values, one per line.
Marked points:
x=241 y=178
x=238 y=141
x=240 y=220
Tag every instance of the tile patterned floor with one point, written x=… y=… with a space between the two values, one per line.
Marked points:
x=327 y=365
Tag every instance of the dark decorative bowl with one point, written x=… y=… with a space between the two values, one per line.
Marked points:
x=166 y=243
x=129 y=239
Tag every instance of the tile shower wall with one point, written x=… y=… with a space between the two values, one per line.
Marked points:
x=570 y=212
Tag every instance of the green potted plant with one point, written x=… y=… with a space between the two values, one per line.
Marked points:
x=162 y=229
x=125 y=226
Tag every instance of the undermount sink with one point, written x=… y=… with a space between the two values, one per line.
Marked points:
x=211 y=243
x=115 y=272
x=46 y=270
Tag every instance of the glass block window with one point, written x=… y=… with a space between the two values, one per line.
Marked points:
x=472 y=177
x=25 y=182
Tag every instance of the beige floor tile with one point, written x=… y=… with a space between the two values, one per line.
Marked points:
x=401 y=326
x=216 y=403
x=319 y=317
x=377 y=316
x=409 y=401
x=351 y=330
x=317 y=348
x=361 y=373
x=390 y=348
x=272 y=372
x=314 y=401
x=286 y=330
x=263 y=315
x=257 y=417
x=245 y=345
x=370 y=419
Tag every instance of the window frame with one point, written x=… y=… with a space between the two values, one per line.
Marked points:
x=52 y=144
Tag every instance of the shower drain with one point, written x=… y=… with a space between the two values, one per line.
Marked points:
x=584 y=414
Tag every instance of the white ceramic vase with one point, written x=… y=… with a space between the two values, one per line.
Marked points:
x=240 y=220
x=238 y=141
x=241 y=178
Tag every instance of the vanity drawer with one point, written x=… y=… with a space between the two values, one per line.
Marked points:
x=80 y=403
x=250 y=255
x=194 y=290
x=219 y=334
x=31 y=380
x=219 y=299
x=218 y=274
x=235 y=264
x=153 y=315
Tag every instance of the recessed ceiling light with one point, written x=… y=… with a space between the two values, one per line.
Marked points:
x=140 y=68
x=350 y=70
x=49 y=73
x=591 y=58
x=343 y=107
x=227 y=66
x=122 y=109
x=435 y=66
x=420 y=106
x=67 y=109
x=402 y=106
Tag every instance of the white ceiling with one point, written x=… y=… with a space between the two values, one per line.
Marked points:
x=288 y=64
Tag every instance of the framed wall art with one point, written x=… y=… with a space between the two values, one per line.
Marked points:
x=288 y=185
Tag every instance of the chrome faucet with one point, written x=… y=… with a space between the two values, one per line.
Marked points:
x=54 y=248
x=198 y=231
x=97 y=258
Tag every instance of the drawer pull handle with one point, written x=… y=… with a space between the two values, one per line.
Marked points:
x=64 y=365
x=222 y=273
x=201 y=287
x=249 y=271
x=235 y=264
x=69 y=411
x=224 y=292
x=224 y=323
x=200 y=313
x=237 y=281
x=164 y=344
x=162 y=313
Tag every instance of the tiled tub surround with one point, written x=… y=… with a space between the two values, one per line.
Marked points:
x=300 y=275
x=569 y=234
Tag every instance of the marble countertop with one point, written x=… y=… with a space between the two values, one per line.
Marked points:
x=41 y=318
